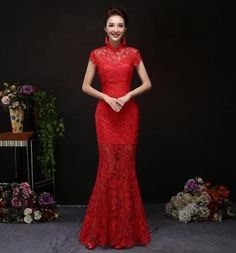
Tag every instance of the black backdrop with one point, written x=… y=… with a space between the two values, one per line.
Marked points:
x=187 y=125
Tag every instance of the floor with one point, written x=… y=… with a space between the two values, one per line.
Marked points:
x=168 y=235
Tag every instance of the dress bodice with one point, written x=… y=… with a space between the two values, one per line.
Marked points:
x=115 y=67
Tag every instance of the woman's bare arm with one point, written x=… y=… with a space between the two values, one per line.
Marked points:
x=88 y=89
x=146 y=84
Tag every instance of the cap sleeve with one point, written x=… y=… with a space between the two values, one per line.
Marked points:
x=92 y=57
x=137 y=57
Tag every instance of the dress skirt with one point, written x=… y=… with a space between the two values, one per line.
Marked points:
x=115 y=213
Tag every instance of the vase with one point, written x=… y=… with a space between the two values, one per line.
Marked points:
x=17 y=119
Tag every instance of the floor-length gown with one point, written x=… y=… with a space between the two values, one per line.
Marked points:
x=115 y=214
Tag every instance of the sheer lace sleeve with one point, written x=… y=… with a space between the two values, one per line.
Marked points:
x=137 y=58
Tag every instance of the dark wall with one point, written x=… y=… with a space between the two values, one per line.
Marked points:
x=187 y=123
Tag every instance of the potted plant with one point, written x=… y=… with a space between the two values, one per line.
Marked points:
x=49 y=126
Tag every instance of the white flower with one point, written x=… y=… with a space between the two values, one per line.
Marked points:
x=28 y=219
x=185 y=197
x=27 y=211
x=202 y=199
x=203 y=213
x=186 y=213
x=37 y=215
x=199 y=180
x=173 y=199
x=15 y=104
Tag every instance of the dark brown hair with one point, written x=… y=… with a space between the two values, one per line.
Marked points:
x=115 y=11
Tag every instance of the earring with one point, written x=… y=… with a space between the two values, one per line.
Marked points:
x=106 y=40
x=123 y=41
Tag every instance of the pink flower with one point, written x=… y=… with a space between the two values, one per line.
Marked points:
x=5 y=100
x=26 y=192
x=16 y=191
x=26 y=189
x=24 y=185
x=16 y=203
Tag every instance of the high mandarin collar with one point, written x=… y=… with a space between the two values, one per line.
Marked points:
x=108 y=44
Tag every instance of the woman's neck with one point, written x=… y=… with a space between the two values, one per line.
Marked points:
x=115 y=44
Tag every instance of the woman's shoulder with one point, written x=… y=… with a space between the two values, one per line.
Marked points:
x=132 y=49
x=95 y=54
x=134 y=53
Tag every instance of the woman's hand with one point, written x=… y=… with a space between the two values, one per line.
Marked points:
x=124 y=99
x=113 y=102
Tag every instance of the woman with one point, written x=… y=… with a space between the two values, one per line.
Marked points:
x=115 y=214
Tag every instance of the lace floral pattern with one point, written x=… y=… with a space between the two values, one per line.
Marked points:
x=115 y=68
x=117 y=128
x=115 y=213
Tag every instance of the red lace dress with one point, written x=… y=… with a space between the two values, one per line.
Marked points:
x=115 y=213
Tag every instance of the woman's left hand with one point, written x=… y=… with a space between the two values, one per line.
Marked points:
x=123 y=100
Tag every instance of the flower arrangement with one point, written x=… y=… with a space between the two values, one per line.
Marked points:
x=19 y=204
x=200 y=201
x=48 y=124
x=16 y=95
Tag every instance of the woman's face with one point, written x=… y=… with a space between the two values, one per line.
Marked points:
x=115 y=28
